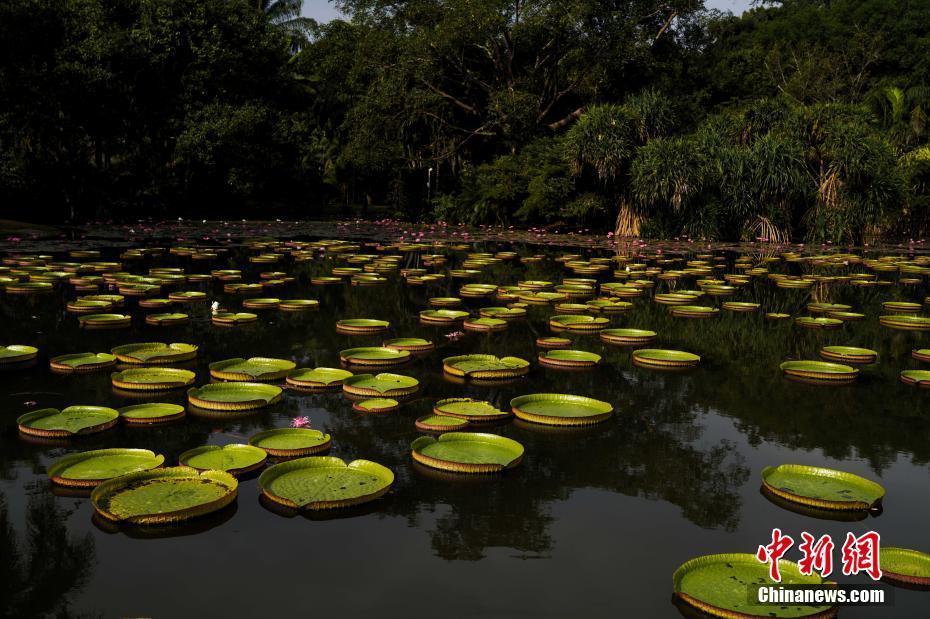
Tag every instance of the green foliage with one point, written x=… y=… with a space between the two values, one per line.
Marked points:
x=800 y=119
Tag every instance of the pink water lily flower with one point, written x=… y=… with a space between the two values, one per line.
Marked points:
x=300 y=422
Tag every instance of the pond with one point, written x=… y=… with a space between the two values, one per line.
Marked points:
x=595 y=518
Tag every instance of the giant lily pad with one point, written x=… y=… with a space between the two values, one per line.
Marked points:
x=822 y=487
x=238 y=396
x=820 y=371
x=151 y=413
x=572 y=322
x=658 y=358
x=252 y=369
x=906 y=322
x=556 y=409
x=164 y=495
x=17 y=353
x=441 y=423
x=154 y=352
x=374 y=356
x=82 y=362
x=362 y=326
x=167 y=319
x=234 y=459
x=410 y=344
x=485 y=324
x=809 y=322
x=232 y=319
x=469 y=410
x=317 y=378
x=503 y=313
x=917 y=378
x=465 y=452
x=561 y=358
x=693 y=311
x=376 y=405
x=381 y=385
x=87 y=469
x=50 y=422
x=299 y=305
x=485 y=366
x=443 y=316
x=152 y=379
x=848 y=354
x=292 y=442
x=627 y=337
x=720 y=585
x=902 y=565
x=104 y=321
x=325 y=482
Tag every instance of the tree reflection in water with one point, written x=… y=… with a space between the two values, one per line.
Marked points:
x=40 y=573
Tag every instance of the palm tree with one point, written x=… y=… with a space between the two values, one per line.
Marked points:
x=285 y=15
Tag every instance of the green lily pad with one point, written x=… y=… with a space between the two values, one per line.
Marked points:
x=234 y=459
x=17 y=353
x=659 y=358
x=387 y=385
x=411 y=344
x=164 y=495
x=820 y=370
x=693 y=311
x=627 y=336
x=901 y=306
x=325 y=482
x=822 y=487
x=722 y=584
x=569 y=358
x=376 y=405
x=165 y=319
x=441 y=423
x=557 y=409
x=810 y=322
x=576 y=322
x=252 y=369
x=373 y=356
x=233 y=318
x=89 y=468
x=151 y=412
x=298 y=305
x=104 y=320
x=362 y=325
x=466 y=452
x=68 y=421
x=485 y=324
x=154 y=352
x=848 y=354
x=152 y=379
x=503 y=313
x=905 y=322
x=443 y=315
x=82 y=361
x=917 y=378
x=317 y=377
x=485 y=366
x=237 y=396
x=290 y=442
x=469 y=410
x=904 y=565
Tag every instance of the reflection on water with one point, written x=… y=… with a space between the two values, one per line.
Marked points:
x=674 y=473
x=41 y=570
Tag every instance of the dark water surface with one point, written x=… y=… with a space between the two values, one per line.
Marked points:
x=594 y=522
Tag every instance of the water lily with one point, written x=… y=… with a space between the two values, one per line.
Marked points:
x=300 y=422
x=454 y=335
x=215 y=307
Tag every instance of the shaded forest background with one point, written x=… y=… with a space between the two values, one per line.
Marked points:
x=801 y=119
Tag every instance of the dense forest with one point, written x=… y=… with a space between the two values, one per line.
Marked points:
x=801 y=119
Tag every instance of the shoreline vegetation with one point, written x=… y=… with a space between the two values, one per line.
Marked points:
x=799 y=121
